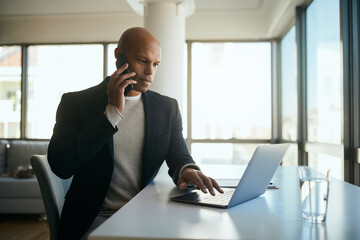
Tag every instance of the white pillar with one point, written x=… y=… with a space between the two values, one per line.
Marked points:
x=166 y=20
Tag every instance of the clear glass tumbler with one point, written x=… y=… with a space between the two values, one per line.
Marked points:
x=314 y=192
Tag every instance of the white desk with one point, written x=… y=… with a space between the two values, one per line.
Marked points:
x=274 y=215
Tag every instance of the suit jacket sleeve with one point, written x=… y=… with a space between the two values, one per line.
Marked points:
x=178 y=154
x=79 y=134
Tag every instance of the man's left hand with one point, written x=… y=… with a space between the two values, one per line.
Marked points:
x=191 y=176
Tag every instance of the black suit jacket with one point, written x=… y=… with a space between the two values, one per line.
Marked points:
x=82 y=147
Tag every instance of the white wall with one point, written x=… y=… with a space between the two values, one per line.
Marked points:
x=55 y=29
x=226 y=25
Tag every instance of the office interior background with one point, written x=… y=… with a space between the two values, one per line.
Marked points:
x=254 y=72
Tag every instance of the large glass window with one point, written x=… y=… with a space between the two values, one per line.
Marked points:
x=10 y=91
x=291 y=156
x=324 y=86
x=54 y=70
x=225 y=153
x=325 y=162
x=289 y=86
x=231 y=86
x=111 y=66
x=230 y=101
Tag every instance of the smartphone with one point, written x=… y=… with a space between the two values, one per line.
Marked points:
x=119 y=63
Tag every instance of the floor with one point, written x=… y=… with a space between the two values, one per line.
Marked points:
x=23 y=227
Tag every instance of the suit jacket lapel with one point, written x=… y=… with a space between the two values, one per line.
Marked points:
x=149 y=135
x=100 y=108
x=102 y=96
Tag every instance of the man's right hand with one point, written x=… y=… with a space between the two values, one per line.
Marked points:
x=116 y=87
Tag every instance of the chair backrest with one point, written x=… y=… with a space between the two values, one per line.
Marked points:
x=53 y=190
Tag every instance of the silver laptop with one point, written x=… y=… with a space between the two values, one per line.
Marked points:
x=252 y=184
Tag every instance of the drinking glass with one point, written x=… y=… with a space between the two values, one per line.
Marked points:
x=314 y=192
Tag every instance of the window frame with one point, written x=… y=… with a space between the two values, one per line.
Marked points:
x=24 y=79
x=304 y=146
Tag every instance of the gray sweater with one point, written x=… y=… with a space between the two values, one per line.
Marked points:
x=128 y=150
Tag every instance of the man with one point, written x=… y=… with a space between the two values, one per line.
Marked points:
x=113 y=145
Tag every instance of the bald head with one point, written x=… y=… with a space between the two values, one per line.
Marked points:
x=136 y=37
x=143 y=54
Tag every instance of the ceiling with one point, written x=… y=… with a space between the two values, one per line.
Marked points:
x=228 y=5
x=11 y=8
x=93 y=20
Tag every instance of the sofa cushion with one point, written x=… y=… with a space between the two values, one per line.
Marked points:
x=19 y=188
x=20 y=152
x=22 y=205
x=3 y=146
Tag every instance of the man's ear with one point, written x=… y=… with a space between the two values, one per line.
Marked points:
x=117 y=52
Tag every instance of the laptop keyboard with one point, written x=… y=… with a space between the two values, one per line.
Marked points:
x=219 y=198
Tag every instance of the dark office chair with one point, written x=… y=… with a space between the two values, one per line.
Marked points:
x=53 y=190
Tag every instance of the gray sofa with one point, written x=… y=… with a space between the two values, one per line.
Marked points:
x=20 y=193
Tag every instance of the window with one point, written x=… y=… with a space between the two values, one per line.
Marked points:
x=111 y=66
x=231 y=100
x=289 y=86
x=231 y=86
x=52 y=71
x=324 y=162
x=291 y=156
x=10 y=91
x=324 y=87
x=224 y=153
